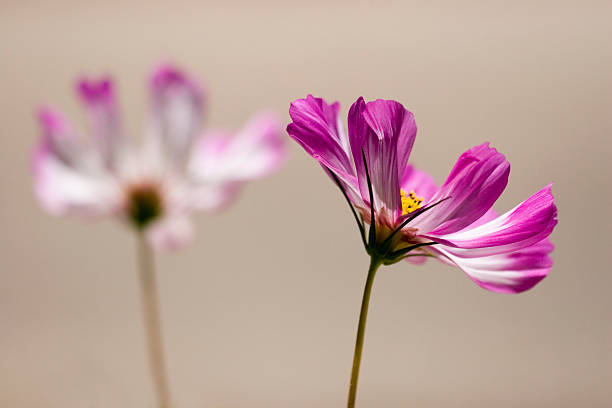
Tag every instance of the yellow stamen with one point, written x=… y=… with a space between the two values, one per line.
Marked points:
x=410 y=202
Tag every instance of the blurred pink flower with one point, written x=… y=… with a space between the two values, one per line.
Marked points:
x=415 y=218
x=178 y=169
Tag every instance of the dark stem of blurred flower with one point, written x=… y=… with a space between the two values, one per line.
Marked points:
x=150 y=313
x=375 y=262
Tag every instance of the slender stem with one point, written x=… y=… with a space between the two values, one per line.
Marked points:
x=150 y=310
x=363 y=316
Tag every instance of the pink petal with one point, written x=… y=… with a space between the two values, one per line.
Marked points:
x=474 y=184
x=170 y=233
x=488 y=216
x=420 y=182
x=385 y=132
x=390 y=120
x=317 y=128
x=98 y=97
x=60 y=138
x=510 y=272
x=207 y=189
x=528 y=223
x=221 y=163
x=417 y=260
x=62 y=189
x=210 y=196
x=257 y=150
x=177 y=105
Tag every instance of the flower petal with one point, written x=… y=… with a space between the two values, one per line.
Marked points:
x=528 y=223
x=316 y=127
x=170 y=233
x=424 y=186
x=259 y=148
x=385 y=131
x=510 y=272
x=416 y=259
x=255 y=151
x=209 y=196
x=177 y=104
x=98 y=97
x=221 y=162
x=488 y=216
x=473 y=185
x=62 y=189
x=420 y=182
x=390 y=120
x=61 y=140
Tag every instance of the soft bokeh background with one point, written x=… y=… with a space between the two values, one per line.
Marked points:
x=261 y=310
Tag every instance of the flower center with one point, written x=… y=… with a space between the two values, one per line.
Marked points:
x=144 y=204
x=410 y=202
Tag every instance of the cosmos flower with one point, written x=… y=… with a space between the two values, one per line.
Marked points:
x=409 y=216
x=154 y=188
x=415 y=218
x=178 y=169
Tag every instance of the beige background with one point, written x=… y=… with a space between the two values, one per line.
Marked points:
x=261 y=310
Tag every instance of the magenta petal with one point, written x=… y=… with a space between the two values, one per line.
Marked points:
x=528 y=223
x=98 y=97
x=315 y=126
x=511 y=272
x=96 y=92
x=389 y=120
x=385 y=132
x=177 y=104
x=59 y=138
x=488 y=216
x=473 y=185
x=166 y=77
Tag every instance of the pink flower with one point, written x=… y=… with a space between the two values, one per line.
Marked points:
x=413 y=217
x=178 y=170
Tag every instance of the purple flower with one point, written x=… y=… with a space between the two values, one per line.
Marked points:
x=178 y=170
x=413 y=218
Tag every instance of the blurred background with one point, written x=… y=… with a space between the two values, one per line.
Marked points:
x=274 y=326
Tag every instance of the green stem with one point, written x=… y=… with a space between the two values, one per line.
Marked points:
x=150 y=310
x=375 y=262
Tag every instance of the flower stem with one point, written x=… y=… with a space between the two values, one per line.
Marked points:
x=150 y=314
x=375 y=262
